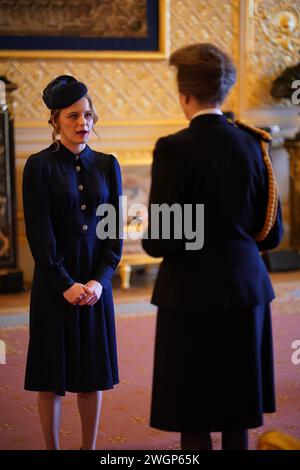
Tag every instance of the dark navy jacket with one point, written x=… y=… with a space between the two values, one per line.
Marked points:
x=214 y=163
x=60 y=206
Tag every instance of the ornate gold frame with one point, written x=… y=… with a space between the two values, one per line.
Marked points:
x=164 y=19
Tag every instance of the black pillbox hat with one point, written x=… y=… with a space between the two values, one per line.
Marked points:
x=63 y=91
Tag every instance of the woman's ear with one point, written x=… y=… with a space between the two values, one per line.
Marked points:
x=54 y=123
x=184 y=99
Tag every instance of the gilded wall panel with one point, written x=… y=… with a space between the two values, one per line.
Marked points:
x=272 y=43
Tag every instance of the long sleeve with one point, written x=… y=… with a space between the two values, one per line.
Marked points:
x=39 y=227
x=165 y=189
x=112 y=247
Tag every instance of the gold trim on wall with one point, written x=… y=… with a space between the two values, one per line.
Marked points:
x=112 y=123
x=162 y=53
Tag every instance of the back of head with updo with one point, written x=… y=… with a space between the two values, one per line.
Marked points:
x=204 y=71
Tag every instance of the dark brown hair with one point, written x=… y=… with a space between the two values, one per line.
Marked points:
x=204 y=71
x=54 y=121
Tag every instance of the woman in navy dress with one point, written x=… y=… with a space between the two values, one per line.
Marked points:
x=72 y=343
x=213 y=368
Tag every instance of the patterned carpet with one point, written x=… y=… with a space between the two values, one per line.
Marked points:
x=125 y=412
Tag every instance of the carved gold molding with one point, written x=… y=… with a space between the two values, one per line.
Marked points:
x=279 y=24
x=271 y=43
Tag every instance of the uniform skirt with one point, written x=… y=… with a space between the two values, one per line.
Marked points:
x=213 y=371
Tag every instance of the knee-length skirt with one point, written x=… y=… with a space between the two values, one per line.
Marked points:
x=71 y=348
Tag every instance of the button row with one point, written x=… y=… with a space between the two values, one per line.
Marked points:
x=81 y=187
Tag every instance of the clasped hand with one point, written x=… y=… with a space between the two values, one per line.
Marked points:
x=83 y=294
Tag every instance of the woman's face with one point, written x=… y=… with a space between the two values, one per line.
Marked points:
x=75 y=123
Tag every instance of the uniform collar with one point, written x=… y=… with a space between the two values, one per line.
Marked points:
x=208 y=119
x=68 y=158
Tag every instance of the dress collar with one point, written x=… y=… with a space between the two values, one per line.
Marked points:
x=69 y=158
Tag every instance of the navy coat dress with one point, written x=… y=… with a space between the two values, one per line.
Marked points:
x=213 y=367
x=71 y=348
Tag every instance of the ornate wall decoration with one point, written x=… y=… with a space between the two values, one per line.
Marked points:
x=272 y=43
x=130 y=91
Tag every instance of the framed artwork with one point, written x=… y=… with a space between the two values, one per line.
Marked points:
x=89 y=29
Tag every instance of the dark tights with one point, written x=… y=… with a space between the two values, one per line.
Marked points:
x=231 y=440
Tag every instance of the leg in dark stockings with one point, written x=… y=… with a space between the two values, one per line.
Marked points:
x=235 y=440
x=196 y=441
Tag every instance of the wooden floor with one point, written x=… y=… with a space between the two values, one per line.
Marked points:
x=140 y=291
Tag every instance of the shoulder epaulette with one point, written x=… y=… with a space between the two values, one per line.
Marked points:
x=255 y=130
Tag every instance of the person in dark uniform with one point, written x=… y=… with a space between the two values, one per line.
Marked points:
x=213 y=366
x=72 y=343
